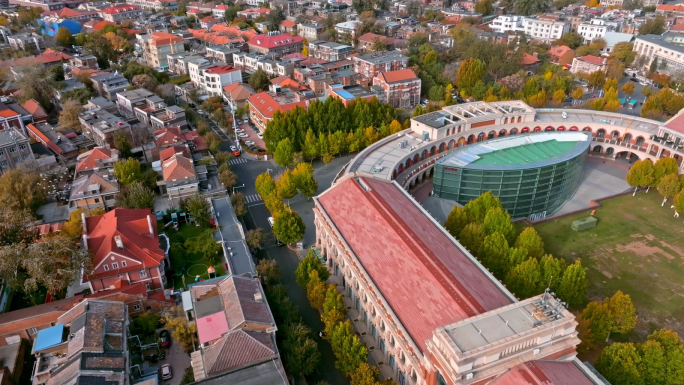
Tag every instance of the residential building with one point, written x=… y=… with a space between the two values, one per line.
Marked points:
x=287 y=26
x=458 y=337
x=27 y=42
x=346 y=31
x=594 y=29
x=95 y=190
x=367 y=40
x=178 y=62
x=507 y=23
x=251 y=63
x=55 y=141
x=668 y=49
x=101 y=125
x=235 y=327
x=158 y=46
x=88 y=344
x=46 y=5
x=348 y=94
x=180 y=180
x=15 y=149
x=11 y=119
x=83 y=62
x=263 y=105
x=96 y=160
x=588 y=64
x=562 y=55
x=310 y=30
x=221 y=53
x=67 y=86
x=251 y=14
x=236 y=94
x=372 y=64
x=546 y=28
x=214 y=78
x=24 y=324
x=37 y=112
x=220 y=11
x=208 y=22
x=530 y=63
x=127 y=101
x=125 y=248
x=157 y=5
x=613 y=38
x=400 y=88
x=329 y=51
x=110 y=84
x=275 y=43
x=118 y=13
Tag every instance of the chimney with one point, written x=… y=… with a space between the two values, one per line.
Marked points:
x=149 y=224
x=119 y=242
x=83 y=221
x=258 y=298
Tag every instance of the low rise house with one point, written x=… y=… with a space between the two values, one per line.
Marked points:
x=157 y=46
x=110 y=84
x=588 y=64
x=400 y=88
x=96 y=190
x=30 y=42
x=562 y=55
x=214 y=78
x=368 y=40
x=157 y=5
x=97 y=159
x=180 y=180
x=311 y=30
x=263 y=105
x=101 y=125
x=15 y=149
x=236 y=94
x=372 y=64
x=118 y=13
x=329 y=51
x=24 y=324
x=57 y=142
x=250 y=63
x=37 y=112
x=277 y=44
x=346 y=31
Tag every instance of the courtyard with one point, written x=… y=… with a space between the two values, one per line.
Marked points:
x=637 y=247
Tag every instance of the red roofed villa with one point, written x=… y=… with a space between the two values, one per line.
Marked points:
x=401 y=88
x=588 y=64
x=278 y=44
x=263 y=105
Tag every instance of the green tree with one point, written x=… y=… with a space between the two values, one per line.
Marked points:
x=145 y=325
x=622 y=312
x=68 y=117
x=21 y=190
x=304 y=180
x=239 y=203
x=669 y=186
x=531 y=241
x=653 y=367
x=578 y=93
x=552 y=271
x=524 y=280
x=255 y=238
x=497 y=220
x=370 y=136
x=674 y=355
x=264 y=184
x=135 y=196
x=284 y=153
x=477 y=208
x=596 y=79
x=662 y=167
x=288 y=227
x=306 y=265
x=198 y=207
x=472 y=237
x=227 y=178
x=484 y=7
x=516 y=256
x=573 y=284
x=350 y=352
x=641 y=174
x=178 y=255
x=123 y=144
x=494 y=254
x=571 y=39
x=286 y=185
x=205 y=245
x=469 y=73
x=311 y=147
x=99 y=46
x=64 y=37
x=600 y=320
x=456 y=221
x=624 y=51
x=365 y=375
x=315 y=290
x=127 y=172
x=259 y=80
x=619 y=364
x=655 y=26
x=628 y=88
x=300 y=351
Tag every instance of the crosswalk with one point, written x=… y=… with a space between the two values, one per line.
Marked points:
x=254 y=198
x=237 y=161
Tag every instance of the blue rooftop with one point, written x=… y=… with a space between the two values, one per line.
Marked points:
x=345 y=94
x=49 y=337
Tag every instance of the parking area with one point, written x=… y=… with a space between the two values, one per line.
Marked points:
x=251 y=136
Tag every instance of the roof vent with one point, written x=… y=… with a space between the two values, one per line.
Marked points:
x=119 y=242
x=258 y=297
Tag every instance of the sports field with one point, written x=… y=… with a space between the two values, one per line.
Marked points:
x=637 y=247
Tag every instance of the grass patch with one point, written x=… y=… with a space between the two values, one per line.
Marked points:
x=637 y=247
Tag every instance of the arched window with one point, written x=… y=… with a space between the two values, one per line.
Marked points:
x=640 y=141
x=601 y=133
x=627 y=138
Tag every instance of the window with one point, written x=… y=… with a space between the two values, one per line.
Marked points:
x=22 y=147
x=137 y=307
x=147 y=285
x=33 y=330
x=123 y=263
x=13 y=149
x=115 y=265
x=440 y=379
x=143 y=273
x=105 y=267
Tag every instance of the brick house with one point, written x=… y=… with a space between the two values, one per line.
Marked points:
x=562 y=55
x=125 y=248
x=275 y=43
x=367 y=40
x=588 y=64
x=24 y=324
x=401 y=88
x=371 y=64
x=122 y=12
x=263 y=105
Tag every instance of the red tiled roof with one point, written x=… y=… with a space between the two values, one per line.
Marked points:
x=398 y=76
x=168 y=136
x=132 y=226
x=543 y=373
x=35 y=109
x=676 y=123
x=47 y=141
x=137 y=288
x=120 y=9
x=236 y=349
x=221 y=7
x=559 y=50
x=210 y=19
x=296 y=55
x=66 y=13
x=671 y=8
x=370 y=38
x=269 y=42
x=35 y=315
x=163 y=38
x=193 y=11
x=90 y=161
x=8 y=113
x=528 y=59
x=287 y=23
x=592 y=59
x=266 y=105
x=177 y=167
x=220 y=69
x=193 y=136
x=425 y=278
x=173 y=150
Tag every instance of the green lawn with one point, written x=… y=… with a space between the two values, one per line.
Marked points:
x=195 y=263
x=637 y=247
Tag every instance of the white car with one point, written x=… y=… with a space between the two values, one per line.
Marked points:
x=166 y=372
x=259 y=135
x=249 y=143
x=243 y=135
x=239 y=130
x=233 y=148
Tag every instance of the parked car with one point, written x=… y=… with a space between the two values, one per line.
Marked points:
x=166 y=372
x=249 y=143
x=260 y=135
x=165 y=338
x=239 y=130
x=253 y=148
x=243 y=135
x=235 y=151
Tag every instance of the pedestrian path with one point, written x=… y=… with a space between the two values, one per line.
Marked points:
x=254 y=198
x=237 y=161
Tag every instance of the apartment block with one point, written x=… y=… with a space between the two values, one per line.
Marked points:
x=372 y=64
x=156 y=48
x=400 y=88
x=546 y=28
x=15 y=149
x=329 y=51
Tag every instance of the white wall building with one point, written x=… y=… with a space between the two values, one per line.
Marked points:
x=546 y=28
x=508 y=23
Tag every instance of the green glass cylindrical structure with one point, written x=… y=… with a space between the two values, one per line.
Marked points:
x=533 y=185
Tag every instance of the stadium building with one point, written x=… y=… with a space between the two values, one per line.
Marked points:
x=533 y=174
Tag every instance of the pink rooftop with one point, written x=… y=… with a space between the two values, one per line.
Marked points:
x=212 y=327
